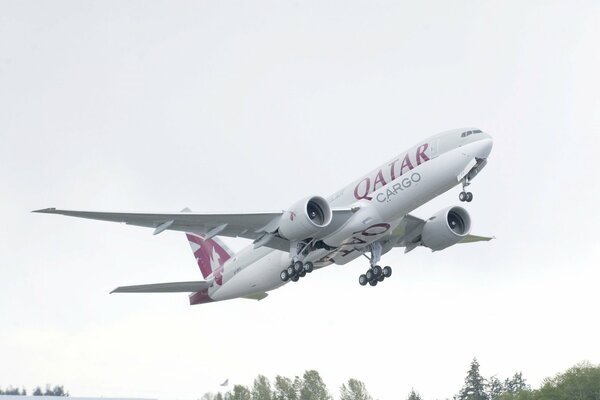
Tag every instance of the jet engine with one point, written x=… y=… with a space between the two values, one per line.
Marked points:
x=446 y=228
x=305 y=219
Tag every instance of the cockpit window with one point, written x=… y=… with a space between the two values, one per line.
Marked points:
x=467 y=133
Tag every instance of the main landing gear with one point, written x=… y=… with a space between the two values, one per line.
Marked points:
x=375 y=274
x=296 y=270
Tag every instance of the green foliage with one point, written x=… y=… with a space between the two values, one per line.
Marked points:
x=285 y=389
x=313 y=387
x=414 y=395
x=355 y=390
x=212 y=396
x=261 y=389
x=56 y=391
x=474 y=387
x=581 y=382
x=240 y=392
x=516 y=384
x=13 y=391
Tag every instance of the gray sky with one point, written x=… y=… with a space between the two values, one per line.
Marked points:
x=245 y=106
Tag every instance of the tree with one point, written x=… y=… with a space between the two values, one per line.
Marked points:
x=581 y=382
x=414 y=395
x=240 y=393
x=355 y=390
x=261 y=389
x=474 y=387
x=38 y=391
x=516 y=384
x=495 y=388
x=313 y=387
x=284 y=389
x=55 y=391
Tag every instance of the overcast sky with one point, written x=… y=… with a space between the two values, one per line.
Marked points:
x=245 y=106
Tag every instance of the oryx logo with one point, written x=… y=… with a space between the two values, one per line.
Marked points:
x=397 y=187
x=292 y=215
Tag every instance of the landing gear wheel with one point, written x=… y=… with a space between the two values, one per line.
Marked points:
x=284 y=275
x=387 y=272
x=373 y=283
x=298 y=266
x=370 y=275
x=380 y=278
x=291 y=271
x=377 y=270
x=295 y=278
x=462 y=196
x=469 y=197
x=363 y=280
x=308 y=267
x=302 y=274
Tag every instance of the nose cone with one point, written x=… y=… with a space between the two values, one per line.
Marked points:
x=482 y=147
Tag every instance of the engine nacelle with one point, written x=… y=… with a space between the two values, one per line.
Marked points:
x=305 y=219
x=446 y=228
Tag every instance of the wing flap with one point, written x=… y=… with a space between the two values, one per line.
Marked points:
x=171 y=287
x=475 y=238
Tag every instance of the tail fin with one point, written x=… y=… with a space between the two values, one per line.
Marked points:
x=210 y=254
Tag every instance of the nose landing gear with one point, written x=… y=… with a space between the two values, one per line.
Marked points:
x=464 y=195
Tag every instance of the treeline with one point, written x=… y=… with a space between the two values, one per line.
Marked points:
x=581 y=382
x=37 y=391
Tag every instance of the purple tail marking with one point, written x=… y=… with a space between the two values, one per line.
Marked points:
x=210 y=255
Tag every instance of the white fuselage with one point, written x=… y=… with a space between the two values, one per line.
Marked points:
x=383 y=197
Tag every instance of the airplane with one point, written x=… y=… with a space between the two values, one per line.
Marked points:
x=369 y=217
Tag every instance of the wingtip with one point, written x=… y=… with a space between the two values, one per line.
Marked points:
x=45 y=210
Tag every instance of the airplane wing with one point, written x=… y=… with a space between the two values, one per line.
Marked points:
x=171 y=287
x=408 y=234
x=255 y=226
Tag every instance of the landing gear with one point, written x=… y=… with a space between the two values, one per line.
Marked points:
x=387 y=272
x=297 y=270
x=465 y=196
x=363 y=280
x=375 y=274
x=284 y=275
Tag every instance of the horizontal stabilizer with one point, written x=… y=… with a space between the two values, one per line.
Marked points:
x=171 y=287
x=256 y=296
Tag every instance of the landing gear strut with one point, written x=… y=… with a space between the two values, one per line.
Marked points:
x=375 y=274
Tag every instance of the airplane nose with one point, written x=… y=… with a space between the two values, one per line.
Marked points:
x=481 y=148
x=485 y=147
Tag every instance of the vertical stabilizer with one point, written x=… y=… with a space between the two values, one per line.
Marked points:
x=210 y=254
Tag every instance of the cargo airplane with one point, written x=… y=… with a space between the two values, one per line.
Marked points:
x=367 y=218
